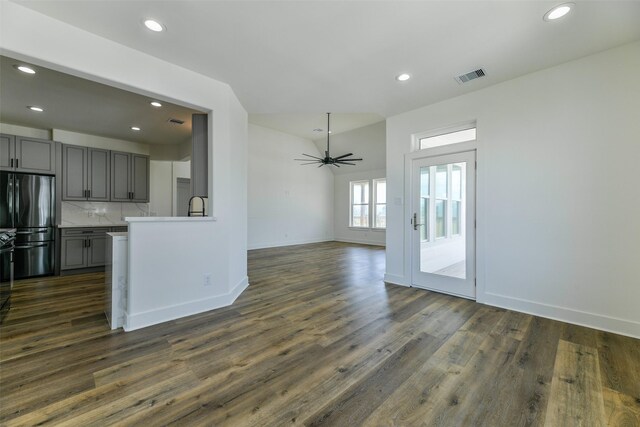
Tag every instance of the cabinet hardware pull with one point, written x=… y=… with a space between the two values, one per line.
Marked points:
x=11 y=162
x=16 y=163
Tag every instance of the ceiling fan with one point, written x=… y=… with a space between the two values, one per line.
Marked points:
x=328 y=160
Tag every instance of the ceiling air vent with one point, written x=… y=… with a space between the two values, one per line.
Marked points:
x=176 y=121
x=463 y=78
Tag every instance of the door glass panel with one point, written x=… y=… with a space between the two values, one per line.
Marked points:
x=424 y=203
x=445 y=253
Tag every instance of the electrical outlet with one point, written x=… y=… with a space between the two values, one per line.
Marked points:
x=207 y=280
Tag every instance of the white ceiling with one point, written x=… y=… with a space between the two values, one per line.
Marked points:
x=289 y=62
x=305 y=125
x=76 y=104
x=283 y=57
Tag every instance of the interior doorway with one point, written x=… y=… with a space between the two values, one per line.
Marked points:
x=183 y=194
x=443 y=223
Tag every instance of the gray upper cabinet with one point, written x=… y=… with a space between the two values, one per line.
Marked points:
x=74 y=172
x=85 y=173
x=7 y=147
x=120 y=171
x=140 y=178
x=129 y=177
x=98 y=174
x=22 y=154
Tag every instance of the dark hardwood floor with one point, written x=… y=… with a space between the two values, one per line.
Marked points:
x=317 y=339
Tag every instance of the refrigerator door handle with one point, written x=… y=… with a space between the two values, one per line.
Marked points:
x=10 y=199
x=40 y=245
x=16 y=200
x=43 y=230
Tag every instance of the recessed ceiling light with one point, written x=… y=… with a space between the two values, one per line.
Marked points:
x=403 y=77
x=153 y=25
x=25 y=69
x=135 y=128
x=156 y=104
x=558 y=11
x=34 y=108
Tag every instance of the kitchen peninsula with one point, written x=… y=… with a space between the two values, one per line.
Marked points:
x=173 y=269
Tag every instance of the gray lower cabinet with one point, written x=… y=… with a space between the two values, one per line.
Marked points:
x=129 y=177
x=83 y=247
x=85 y=173
x=73 y=252
x=31 y=155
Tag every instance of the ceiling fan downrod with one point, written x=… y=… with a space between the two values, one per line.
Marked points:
x=328 y=160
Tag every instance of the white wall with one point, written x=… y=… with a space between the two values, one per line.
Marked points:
x=164 y=175
x=160 y=188
x=68 y=49
x=25 y=131
x=288 y=203
x=558 y=200
x=367 y=143
x=342 y=231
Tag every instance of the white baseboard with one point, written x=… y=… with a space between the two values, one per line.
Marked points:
x=359 y=242
x=164 y=314
x=564 y=314
x=396 y=280
x=288 y=243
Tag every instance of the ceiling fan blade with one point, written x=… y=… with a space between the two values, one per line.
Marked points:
x=345 y=163
x=307 y=160
x=311 y=163
x=321 y=165
x=344 y=155
x=309 y=155
x=349 y=160
x=336 y=165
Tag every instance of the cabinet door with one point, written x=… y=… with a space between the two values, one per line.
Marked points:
x=98 y=174
x=7 y=146
x=73 y=253
x=74 y=172
x=120 y=172
x=96 y=251
x=35 y=155
x=140 y=178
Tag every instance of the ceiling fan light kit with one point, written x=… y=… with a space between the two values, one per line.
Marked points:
x=328 y=160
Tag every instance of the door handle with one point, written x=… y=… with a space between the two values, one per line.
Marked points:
x=32 y=232
x=42 y=245
x=415 y=221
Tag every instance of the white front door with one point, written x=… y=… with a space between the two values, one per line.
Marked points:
x=443 y=223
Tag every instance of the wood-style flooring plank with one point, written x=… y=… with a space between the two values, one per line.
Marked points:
x=576 y=390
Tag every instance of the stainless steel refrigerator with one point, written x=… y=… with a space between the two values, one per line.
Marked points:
x=27 y=203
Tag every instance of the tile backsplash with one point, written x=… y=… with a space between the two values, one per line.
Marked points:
x=100 y=213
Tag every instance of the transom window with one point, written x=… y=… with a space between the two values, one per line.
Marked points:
x=448 y=137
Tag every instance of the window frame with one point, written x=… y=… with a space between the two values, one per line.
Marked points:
x=416 y=138
x=352 y=184
x=371 y=205
x=375 y=202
